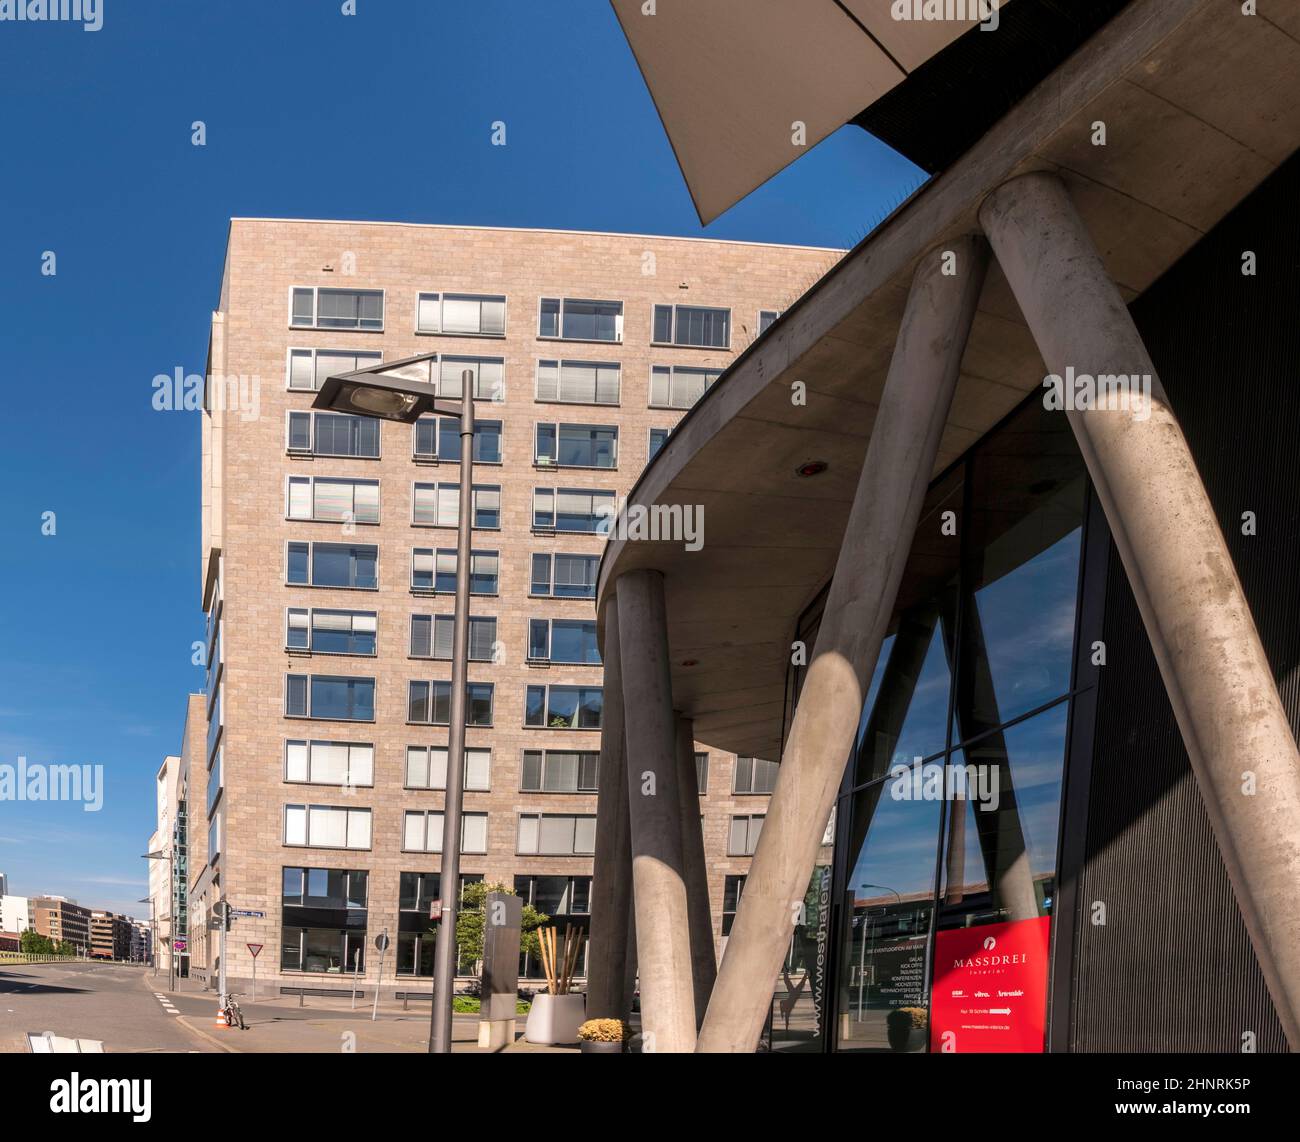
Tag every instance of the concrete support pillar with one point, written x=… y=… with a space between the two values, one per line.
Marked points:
x=1213 y=665
x=704 y=963
x=886 y=506
x=611 y=883
x=658 y=874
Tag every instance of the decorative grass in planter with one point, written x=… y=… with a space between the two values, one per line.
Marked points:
x=603 y=1037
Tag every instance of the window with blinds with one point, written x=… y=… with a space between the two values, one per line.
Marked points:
x=438 y=505
x=679 y=386
x=744 y=835
x=431 y=637
x=331 y=632
x=579 y=382
x=559 y=771
x=430 y=703
x=329 y=762
x=321 y=308
x=754 y=775
x=333 y=499
x=426 y=767
x=578 y=510
x=576 y=445
x=308 y=368
x=575 y=319
x=489 y=377
x=697 y=326
x=564 y=576
x=422 y=832
x=466 y=314
x=434 y=569
x=556 y=834
x=326 y=827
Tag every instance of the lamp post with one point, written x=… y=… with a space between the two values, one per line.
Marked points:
x=166 y=854
x=153 y=933
x=403 y=391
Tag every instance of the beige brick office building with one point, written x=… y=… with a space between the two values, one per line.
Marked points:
x=315 y=761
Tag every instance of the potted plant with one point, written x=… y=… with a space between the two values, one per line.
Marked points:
x=906 y=1027
x=603 y=1037
x=557 y=1013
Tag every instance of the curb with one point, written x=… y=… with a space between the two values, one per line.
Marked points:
x=183 y=1020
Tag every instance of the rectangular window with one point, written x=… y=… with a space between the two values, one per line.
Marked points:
x=331 y=632
x=438 y=505
x=434 y=569
x=429 y=703
x=326 y=827
x=489 y=377
x=679 y=386
x=215 y=782
x=556 y=834
x=309 y=368
x=569 y=641
x=563 y=707
x=422 y=832
x=559 y=771
x=426 y=767
x=431 y=637
x=564 y=576
x=578 y=510
x=332 y=565
x=576 y=445
x=744 y=835
x=319 y=308
x=579 y=382
x=702 y=772
x=658 y=438
x=754 y=775
x=696 y=326
x=766 y=319
x=556 y=895
x=332 y=499
x=329 y=697
x=573 y=319
x=323 y=912
x=329 y=763
x=332 y=434
x=465 y=314
x=732 y=888
x=438 y=438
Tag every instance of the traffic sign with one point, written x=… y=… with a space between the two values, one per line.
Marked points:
x=254 y=949
x=435 y=909
x=247 y=912
x=178 y=945
x=381 y=942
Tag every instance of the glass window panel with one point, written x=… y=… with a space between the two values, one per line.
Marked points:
x=295 y=824
x=295 y=761
x=427 y=312
x=549 y=318
x=302 y=310
x=413 y=832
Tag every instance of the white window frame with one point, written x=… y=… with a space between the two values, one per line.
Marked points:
x=310 y=450
x=442 y=296
x=672 y=377
x=622 y=313
x=552 y=556
x=560 y=363
x=349 y=517
x=474 y=491
x=546 y=754
x=482 y=762
x=311 y=715
x=674 y=343
x=357 y=769
x=377 y=354
x=554 y=461
x=408 y=814
x=554 y=527
x=315 y=308
x=359 y=819
x=751 y=837
x=311 y=631
x=433 y=641
x=521 y=848
x=311 y=564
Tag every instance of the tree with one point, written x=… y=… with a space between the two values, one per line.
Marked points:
x=65 y=948
x=470 y=921
x=32 y=943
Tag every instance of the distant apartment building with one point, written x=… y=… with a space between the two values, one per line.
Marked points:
x=15 y=914
x=110 y=936
x=316 y=758
x=168 y=880
x=62 y=919
x=4 y=885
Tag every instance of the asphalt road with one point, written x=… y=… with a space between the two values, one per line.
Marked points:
x=112 y=1003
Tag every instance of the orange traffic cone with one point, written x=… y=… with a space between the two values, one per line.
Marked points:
x=221 y=1017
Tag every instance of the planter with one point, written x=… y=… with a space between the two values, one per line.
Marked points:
x=555 y=1019
x=591 y=1047
x=907 y=1040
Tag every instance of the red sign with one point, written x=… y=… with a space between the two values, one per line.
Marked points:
x=254 y=948
x=435 y=909
x=990 y=988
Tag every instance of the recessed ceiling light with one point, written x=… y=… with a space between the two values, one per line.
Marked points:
x=811 y=468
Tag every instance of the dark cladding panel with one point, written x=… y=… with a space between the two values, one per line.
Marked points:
x=1172 y=968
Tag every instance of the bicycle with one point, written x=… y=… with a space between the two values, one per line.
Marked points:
x=231 y=1012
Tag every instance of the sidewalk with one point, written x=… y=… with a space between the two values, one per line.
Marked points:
x=278 y=1025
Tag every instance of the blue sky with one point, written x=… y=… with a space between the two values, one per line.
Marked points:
x=299 y=100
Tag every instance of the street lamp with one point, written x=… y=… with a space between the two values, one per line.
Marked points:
x=403 y=391
x=862 y=954
x=166 y=854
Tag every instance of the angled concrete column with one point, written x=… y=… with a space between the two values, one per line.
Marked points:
x=658 y=873
x=886 y=506
x=704 y=964
x=1218 y=679
x=611 y=884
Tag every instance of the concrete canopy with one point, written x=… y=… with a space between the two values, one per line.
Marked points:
x=1200 y=103
x=732 y=79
